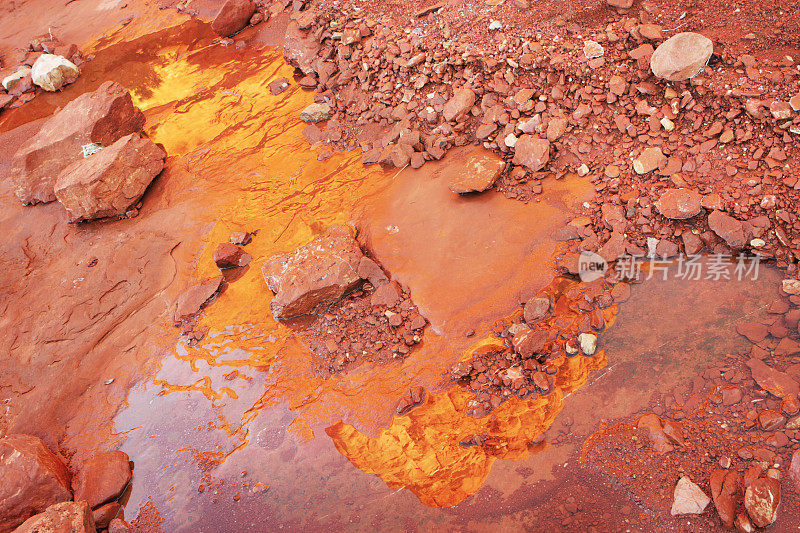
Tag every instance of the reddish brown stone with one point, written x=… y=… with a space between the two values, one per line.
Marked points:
x=475 y=172
x=65 y=517
x=111 y=181
x=727 y=228
x=462 y=101
x=679 y=204
x=773 y=381
x=103 y=478
x=31 y=478
x=536 y=310
x=229 y=255
x=103 y=515
x=387 y=295
x=315 y=275
x=532 y=152
x=761 y=499
x=195 y=297
x=724 y=488
x=103 y=117
x=369 y=270
x=233 y=16
x=770 y=420
x=119 y=525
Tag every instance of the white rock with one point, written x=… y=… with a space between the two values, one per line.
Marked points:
x=511 y=140
x=588 y=343
x=583 y=170
x=757 y=243
x=316 y=112
x=51 y=72
x=10 y=81
x=667 y=124
x=791 y=286
x=688 y=498
x=592 y=49
x=495 y=25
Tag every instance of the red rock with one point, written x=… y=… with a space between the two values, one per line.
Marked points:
x=315 y=275
x=229 y=255
x=650 y=159
x=679 y=204
x=731 y=395
x=794 y=469
x=462 y=101
x=724 y=488
x=387 y=295
x=621 y=4
x=119 y=526
x=111 y=181
x=727 y=228
x=621 y=292
x=770 y=420
x=277 y=86
x=531 y=342
x=688 y=498
x=369 y=270
x=773 y=381
x=531 y=152
x=31 y=478
x=103 y=515
x=754 y=331
x=536 y=310
x=655 y=432
x=556 y=128
x=241 y=238
x=617 y=85
x=761 y=499
x=232 y=17
x=195 y=297
x=681 y=56
x=743 y=524
x=64 y=517
x=103 y=478
x=103 y=116
x=787 y=346
x=790 y=405
x=300 y=49
x=475 y=172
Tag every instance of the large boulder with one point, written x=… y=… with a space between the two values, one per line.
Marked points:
x=315 y=275
x=52 y=72
x=233 y=16
x=532 y=152
x=31 y=478
x=103 y=478
x=101 y=117
x=109 y=182
x=65 y=517
x=681 y=56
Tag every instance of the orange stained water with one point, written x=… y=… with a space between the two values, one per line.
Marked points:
x=239 y=161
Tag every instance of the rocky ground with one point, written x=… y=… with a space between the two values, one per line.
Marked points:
x=684 y=117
